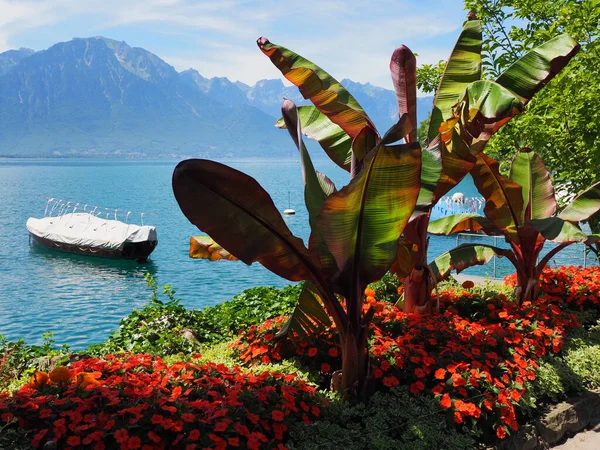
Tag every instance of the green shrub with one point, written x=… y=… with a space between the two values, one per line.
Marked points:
x=386 y=289
x=164 y=327
x=397 y=420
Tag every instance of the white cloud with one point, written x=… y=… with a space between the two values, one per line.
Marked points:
x=351 y=39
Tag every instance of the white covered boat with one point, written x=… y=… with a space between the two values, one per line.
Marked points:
x=92 y=231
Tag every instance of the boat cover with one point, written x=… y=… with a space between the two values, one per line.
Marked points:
x=86 y=230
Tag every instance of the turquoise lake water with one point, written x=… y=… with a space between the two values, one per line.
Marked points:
x=82 y=299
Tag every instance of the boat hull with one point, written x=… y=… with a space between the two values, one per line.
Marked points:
x=131 y=250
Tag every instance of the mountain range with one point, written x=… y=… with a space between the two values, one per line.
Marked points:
x=101 y=97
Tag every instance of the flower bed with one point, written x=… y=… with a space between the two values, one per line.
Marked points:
x=574 y=285
x=139 y=402
x=476 y=357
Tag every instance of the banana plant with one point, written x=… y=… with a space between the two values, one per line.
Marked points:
x=467 y=111
x=522 y=208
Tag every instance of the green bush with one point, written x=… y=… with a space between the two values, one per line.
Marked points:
x=164 y=327
x=397 y=420
x=386 y=289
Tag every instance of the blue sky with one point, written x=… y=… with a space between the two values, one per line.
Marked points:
x=350 y=39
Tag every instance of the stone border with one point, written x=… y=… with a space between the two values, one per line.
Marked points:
x=565 y=418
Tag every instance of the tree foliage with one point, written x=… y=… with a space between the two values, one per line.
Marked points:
x=562 y=121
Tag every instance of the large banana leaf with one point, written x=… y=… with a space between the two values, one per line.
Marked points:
x=460 y=222
x=240 y=215
x=483 y=109
x=308 y=315
x=534 y=70
x=558 y=230
x=503 y=198
x=317 y=187
x=362 y=222
x=403 y=67
x=463 y=67
x=529 y=172
x=315 y=125
x=584 y=206
x=462 y=257
x=324 y=91
x=203 y=247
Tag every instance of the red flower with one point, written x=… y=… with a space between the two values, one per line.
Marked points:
x=74 y=440
x=278 y=415
x=446 y=402
x=501 y=432
x=417 y=387
x=440 y=374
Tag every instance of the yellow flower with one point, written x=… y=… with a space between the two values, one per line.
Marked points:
x=86 y=379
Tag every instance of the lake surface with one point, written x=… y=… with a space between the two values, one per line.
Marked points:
x=82 y=299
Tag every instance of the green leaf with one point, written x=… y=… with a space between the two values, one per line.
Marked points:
x=203 y=247
x=533 y=71
x=308 y=316
x=317 y=187
x=324 y=91
x=362 y=222
x=403 y=67
x=503 y=198
x=238 y=213
x=463 y=67
x=334 y=141
x=462 y=257
x=584 y=206
x=529 y=172
x=460 y=222
x=558 y=230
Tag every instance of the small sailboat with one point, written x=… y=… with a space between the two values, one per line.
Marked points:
x=91 y=230
x=289 y=211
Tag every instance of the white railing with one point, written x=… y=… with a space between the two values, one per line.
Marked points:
x=56 y=207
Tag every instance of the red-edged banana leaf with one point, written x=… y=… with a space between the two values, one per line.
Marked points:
x=203 y=247
x=464 y=256
x=317 y=187
x=362 y=222
x=324 y=91
x=240 y=215
x=308 y=316
x=584 y=206
x=558 y=230
x=461 y=222
x=484 y=108
x=463 y=67
x=403 y=67
x=529 y=172
x=363 y=143
x=503 y=198
x=315 y=125
x=534 y=70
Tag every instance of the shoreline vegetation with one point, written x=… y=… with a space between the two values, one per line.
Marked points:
x=485 y=369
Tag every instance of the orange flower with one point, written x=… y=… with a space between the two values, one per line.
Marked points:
x=468 y=284
x=446 y=402
x=86 y=379
x=369 y=292
x=38 y=380
x=440 y=374
x=60 y=375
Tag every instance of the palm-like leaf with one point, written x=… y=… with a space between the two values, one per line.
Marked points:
x=558 y=230
x=238 y=213
x=584 y=206
x=324 y=91
x=534 y=70
x=361 y=223
x=403 y=67
x=308 y=315
x=463 y=67
x=457 y=223
x=503 y=198
x=203 y=247
x=462 y=257
x=529 y=172
x=315 y=125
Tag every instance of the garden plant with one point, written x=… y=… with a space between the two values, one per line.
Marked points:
x=521 y=207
